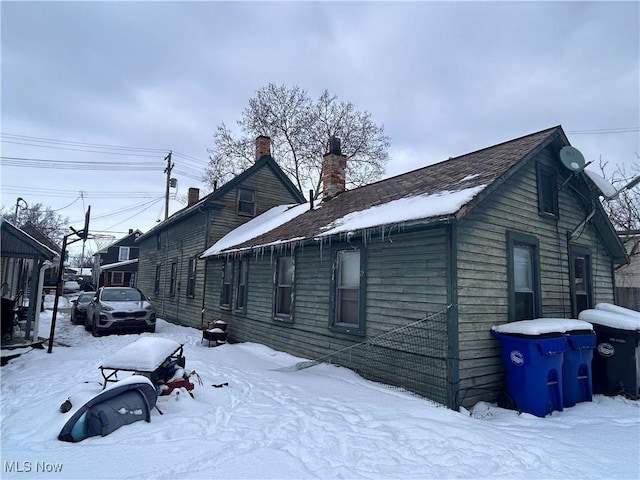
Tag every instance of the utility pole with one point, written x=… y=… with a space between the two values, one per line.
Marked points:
x=167 y=170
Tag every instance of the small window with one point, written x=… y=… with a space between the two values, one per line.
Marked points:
x=547 y=191
x=246 y=204
x=524 y=283
x=348 y=291
x=191 y=278
x=158 y=242
x=117 y=278
x=227 y=278
x=172 y=281
x=241 y=285
x=580 y=275
x=285 y=272
x=156 y=284
x=123 y=254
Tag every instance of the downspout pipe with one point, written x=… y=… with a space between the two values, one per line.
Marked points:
x=47 y=264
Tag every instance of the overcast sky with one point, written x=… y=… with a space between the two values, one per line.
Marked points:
x=444 y=78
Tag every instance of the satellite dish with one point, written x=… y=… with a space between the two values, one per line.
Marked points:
x=571 y=158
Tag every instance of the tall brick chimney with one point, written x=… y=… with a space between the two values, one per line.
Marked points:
x=263 y=146
x=334 y=165
x=193 y=196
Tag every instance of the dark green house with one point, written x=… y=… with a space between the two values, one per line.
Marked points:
x=437 y=255
x=169 y=270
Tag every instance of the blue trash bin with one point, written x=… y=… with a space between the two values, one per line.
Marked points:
x=533 y=365
x=577 y=379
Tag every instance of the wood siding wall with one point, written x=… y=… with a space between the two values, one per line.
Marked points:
x=482 y=270
x=189 y=238
x=406 y=279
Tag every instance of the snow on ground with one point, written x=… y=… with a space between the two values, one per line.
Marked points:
x=320 y=422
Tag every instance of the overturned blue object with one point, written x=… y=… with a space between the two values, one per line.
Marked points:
x=122 y=403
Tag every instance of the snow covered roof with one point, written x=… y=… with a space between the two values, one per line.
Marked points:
x=426 y=195
x=18 y=243
x=110 y=266
x=134 y=233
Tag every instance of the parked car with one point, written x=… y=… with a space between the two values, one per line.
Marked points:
x=70 y=287
x=79 y=307
x=120 y=309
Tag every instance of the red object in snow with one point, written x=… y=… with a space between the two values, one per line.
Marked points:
x=180 y=383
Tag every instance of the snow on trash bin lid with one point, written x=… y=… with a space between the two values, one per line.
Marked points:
x=611 y=319
x=610 y=307
x=543 y=326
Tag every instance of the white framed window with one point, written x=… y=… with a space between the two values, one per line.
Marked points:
x=523 y=277
x=285 y=270
x=123 y=253
x=348 y=292
x=227 y=281
x=241 y=285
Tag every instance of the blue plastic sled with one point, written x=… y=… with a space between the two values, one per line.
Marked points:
x=122 y=403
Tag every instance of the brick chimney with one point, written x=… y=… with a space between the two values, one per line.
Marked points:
x=193 y=197
x=334 y=165
x=263 y=146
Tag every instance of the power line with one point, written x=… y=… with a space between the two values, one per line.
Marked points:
x=74 y=143
x=46 y=192
x=137 y=213
x=104 y=148
x=75 y=164
x=23 y=162
x=130 y=208
x=80 y=149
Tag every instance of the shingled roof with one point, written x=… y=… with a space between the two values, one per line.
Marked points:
x=451 y=186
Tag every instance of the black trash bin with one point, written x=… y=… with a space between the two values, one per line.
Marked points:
x=616 y=359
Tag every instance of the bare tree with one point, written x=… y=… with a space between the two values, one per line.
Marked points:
x=300 y=129
x=624 y=210
x=44 y=218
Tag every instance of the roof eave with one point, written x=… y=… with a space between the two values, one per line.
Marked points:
x=385 y=231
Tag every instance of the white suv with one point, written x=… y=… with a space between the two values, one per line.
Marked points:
x=120 y=309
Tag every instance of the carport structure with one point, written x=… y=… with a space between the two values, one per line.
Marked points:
x=23 y=262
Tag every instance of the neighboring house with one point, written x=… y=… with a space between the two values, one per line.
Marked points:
x=628 y=276
x=117 y=264
x=24 y=261
x=170 y=273
x=501 y=234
